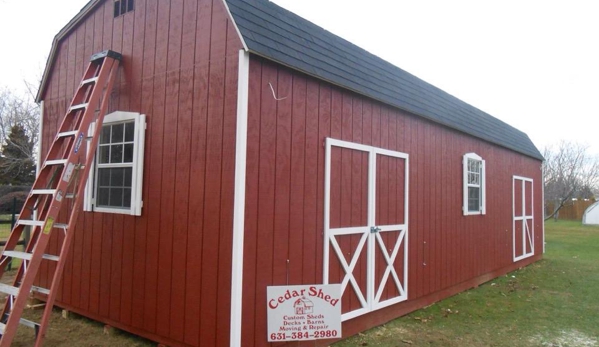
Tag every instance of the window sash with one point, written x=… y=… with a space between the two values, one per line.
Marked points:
x=474 y=184
x=94 y=200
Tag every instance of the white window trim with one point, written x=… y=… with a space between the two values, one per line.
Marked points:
x=138 y=164
x=483 y=202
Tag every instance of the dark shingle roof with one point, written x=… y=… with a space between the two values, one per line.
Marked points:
x=277 y=34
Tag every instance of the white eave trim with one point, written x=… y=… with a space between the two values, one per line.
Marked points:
x=61 y=34
x=239 y=198
x=245 y=47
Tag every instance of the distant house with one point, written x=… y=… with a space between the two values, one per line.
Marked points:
x=591 y=214
x=265 y=150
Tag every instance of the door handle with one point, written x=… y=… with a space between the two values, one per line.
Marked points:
x=374 y=230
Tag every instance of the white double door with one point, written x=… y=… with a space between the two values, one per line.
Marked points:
x=366 y=225
x=523 y=221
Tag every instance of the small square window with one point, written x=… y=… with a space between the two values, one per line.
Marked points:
x=115 y=181
x=123 y=6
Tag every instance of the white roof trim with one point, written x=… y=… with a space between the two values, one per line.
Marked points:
x=84 y=12
x=61 y=34
x=245 y=47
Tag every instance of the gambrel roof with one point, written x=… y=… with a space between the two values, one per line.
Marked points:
x=277 y=34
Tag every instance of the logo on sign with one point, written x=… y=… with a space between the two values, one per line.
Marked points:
x=303 y=306
x=307 y=312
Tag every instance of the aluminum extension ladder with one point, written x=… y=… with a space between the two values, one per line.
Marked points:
x=61 y=178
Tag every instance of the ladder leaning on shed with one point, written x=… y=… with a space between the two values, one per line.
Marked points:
x=61 y=178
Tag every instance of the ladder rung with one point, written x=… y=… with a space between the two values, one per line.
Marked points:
x=78 y=107
x=68 y=133
x=28 y=256
x=51 y=257
x=89 y=80
x=18 y=254
x=56 y=162
x=61 y=226
x=43 y=191
x=28 y=323
x=2 y=327
x=10 y=290
x=40 y=290
x=70 y=196
x=30 y=222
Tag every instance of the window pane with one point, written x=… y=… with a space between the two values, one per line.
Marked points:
x=127 y=197
x=473 y=178
x=473 y=166
x=116 y=177
x=128 y=174
x=103 y=195
x=117 y=133
x=128 y=155
x=114 y=187
x=116 y=197
x=129 y=131
x=103 y=177
x=104 y=156
x=116 y=155
x=117 y=8
x=105 y=135
x=473 y=199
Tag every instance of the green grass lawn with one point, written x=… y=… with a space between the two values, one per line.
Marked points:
x=554 y=302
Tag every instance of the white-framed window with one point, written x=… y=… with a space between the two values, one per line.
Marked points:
x=116 y=176
x=474 y=184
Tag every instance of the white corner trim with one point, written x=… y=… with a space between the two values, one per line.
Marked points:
x=39 y=140
x=239 y=198
x=543 y=208
x=245 y=47
x=38 y=159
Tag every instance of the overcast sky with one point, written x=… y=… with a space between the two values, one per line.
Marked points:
x=531 y=63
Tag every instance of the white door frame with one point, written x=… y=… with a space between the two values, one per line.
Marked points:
x=527 y=235
x=370 y=300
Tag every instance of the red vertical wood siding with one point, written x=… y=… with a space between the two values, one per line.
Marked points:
x=448 y=252
x=166 y=274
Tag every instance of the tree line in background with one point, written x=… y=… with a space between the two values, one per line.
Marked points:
x=569 y=172
x=19 y=126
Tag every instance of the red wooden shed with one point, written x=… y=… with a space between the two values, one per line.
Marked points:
x=246 y=147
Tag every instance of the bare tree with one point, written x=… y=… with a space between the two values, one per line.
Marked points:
x=569 y=172
x=18 y=112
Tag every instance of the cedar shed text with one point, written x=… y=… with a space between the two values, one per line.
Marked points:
x=312 y=291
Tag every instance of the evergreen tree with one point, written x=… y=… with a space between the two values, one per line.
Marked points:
x=16 y=164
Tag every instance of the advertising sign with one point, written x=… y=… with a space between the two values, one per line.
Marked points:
x=306 y=312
